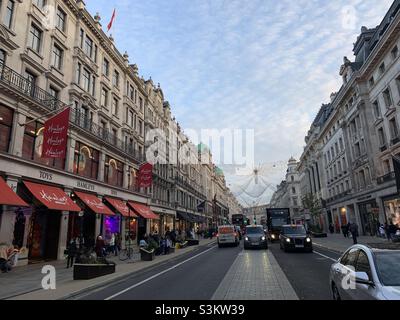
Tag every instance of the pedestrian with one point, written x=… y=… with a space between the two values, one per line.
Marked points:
x=71 y=253
x=382 y=231
x=331 y=228
x=392 y=230
x=5 y=266
x=111 y=243
x=387 y=231
x=344 y=230
x=100 y=244
x=354 y=231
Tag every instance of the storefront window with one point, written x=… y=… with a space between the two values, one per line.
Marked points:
x=392 y=209
x=33 y=143
x=132 y=180
x=86 y=161
x=6 y=120
x=113 y=172
x=130 y=229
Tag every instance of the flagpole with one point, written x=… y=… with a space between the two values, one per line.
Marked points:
x=46 y=115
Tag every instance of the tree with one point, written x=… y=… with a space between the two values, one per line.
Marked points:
x=312 y=204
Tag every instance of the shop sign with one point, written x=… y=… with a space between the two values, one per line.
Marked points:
x=85 y=185
x=145 y=177
x=43 y=175
x=55 y=136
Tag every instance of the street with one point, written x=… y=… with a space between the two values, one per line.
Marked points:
x=211 y=273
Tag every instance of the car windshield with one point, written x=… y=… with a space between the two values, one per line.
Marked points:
x=254 y=230
x=294 y=230
x=387 y=265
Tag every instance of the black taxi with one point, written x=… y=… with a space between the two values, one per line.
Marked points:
x=295 y=237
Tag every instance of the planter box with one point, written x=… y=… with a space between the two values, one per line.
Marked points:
x=91 y=271
x=147 y=255
x=193 y=242
x=319 y=235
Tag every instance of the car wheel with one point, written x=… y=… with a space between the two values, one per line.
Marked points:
x=335 y=293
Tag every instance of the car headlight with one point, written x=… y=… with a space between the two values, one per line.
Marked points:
x=308 y=240
x=288 y=240
x=247 y=239
x=273 y=236
x=263 y=238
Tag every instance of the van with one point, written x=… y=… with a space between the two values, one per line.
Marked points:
x=227 y=235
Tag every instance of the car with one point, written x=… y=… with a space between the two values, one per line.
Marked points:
x=255 y=237
x=295 y=237
x=227 y=235
x=367 y=272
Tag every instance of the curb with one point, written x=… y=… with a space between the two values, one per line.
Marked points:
x=107 y=282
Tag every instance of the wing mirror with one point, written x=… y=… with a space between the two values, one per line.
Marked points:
x=363 y=278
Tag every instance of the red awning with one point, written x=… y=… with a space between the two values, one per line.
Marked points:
x=9 y=197
x=94 y=203
x=52 y=197
x=121 y=207
x=143 y=210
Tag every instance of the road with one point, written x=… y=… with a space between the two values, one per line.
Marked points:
x=198 y=275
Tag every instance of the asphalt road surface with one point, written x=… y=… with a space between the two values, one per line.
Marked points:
x=197 y=275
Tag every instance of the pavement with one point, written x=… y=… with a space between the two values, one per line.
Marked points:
x=24 y=283
x=338 y=243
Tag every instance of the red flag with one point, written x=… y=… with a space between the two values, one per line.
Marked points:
x=111 y=22
x=145 y=176
x=55 y=135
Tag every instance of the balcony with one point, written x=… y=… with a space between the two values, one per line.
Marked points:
x=17 y=82
x=395 y=141
x=386 y=178
x=23 y=86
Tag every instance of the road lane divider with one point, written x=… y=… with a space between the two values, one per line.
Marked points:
x=326 y=257
x=158 y=274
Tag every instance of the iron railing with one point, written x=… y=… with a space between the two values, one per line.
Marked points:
x=386 y=178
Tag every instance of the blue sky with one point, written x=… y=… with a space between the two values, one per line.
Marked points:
x=265 y=65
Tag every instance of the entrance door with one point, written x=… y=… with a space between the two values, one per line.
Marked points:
x=141 y=228
x=52 y=235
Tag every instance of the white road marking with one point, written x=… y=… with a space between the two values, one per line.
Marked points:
x=157 y=275
x=326 y=257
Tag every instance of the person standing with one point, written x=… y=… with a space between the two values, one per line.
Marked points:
x=392 y=230
x=72 y=250
x=354 y=231
x=100 y=247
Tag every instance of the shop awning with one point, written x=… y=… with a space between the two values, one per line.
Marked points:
x=143 y=210
x=94 y=203
x=9 y=197
x=121 y=207
x=52 y=197
x=185 y=216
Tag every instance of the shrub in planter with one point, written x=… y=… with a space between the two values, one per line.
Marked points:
x=88 y=266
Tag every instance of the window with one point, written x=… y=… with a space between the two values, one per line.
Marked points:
x=116 y=78
x=86 y=80
x=387 y=96
x=344 y=166
x=341 y=144
x=362 y=179
x=377 y=109
x=347 y=185
x=382 y=68
x=35 y=38
x=386 y=167
x=292 y=178
x=132 y=93
x=106 y=67
x=140 y=127
x=382 y=138
x=395 y=52
x=104 y=98
x=398 y=84
x=339 y=167
x=394 y=131
x=81 y=37
x=86 y=161
x=89 y=47
x=78 y=74
x=130 y=118
x=357 y=150
x=294 y=190
x=61 y=19
x=57 y=57
x=363 y=264
x=2 y=57
x=93 y=92
x=31 y=78
x=6 y=120
x=115 y=107
x=32 y=145
x=337 y=148
x=141 y=103
x=54 y=92
x=9 y=14
x=371 y=82
x=113 y=172
x=40 y=3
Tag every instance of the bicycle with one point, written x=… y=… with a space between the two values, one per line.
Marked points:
x=126 y=254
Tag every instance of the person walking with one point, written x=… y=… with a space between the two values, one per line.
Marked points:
x=331 y=228
x=100 y=247
x=354 y=232
x=387 y=231
x=71 y=253
x=392 y=230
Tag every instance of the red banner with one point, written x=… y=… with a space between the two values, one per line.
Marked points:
x=145 y=176
x=55 y=136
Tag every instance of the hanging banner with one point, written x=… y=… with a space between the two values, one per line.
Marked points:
x=145 y=176
x=55 y=136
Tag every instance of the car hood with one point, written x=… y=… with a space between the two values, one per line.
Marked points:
x=391 y=293
x=297 y=236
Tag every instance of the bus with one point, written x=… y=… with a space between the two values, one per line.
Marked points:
x=276 y=218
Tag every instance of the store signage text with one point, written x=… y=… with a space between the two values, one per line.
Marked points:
x=46 y=175
x=85 y=185
x=114 y=193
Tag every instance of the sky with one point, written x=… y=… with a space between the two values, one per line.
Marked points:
x=265 y=65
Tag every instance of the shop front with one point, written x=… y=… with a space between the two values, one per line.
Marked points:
x=369 y=215
x=148 y=221
x=166 y=219
x=392 y=210
x=84 y=224
x=184 y=221
x=50 y=209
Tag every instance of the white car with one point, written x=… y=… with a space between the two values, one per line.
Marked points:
x=227 y=235
x=367 y=272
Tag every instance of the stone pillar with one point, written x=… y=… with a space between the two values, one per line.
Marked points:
x=17 y=135
x=126 y=176
x=382 y=214
x=70 y=155
x=63 y=236
x=102 y=162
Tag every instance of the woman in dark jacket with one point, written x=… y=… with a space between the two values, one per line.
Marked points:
x=72 y=249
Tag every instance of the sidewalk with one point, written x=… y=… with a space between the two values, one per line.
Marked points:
x=24 y=283
x=338 y=243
